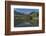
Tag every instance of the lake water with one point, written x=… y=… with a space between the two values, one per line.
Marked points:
x=25 y=24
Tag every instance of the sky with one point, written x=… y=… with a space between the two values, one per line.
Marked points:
x=26 y=11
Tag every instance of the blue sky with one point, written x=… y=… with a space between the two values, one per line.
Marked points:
x=26 y=11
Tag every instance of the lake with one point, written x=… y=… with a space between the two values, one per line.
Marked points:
x=25 y=24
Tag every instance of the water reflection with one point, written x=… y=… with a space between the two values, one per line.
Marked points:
x=25 y=24
x=25 y=21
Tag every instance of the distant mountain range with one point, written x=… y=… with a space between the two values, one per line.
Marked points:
x=18 y=13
